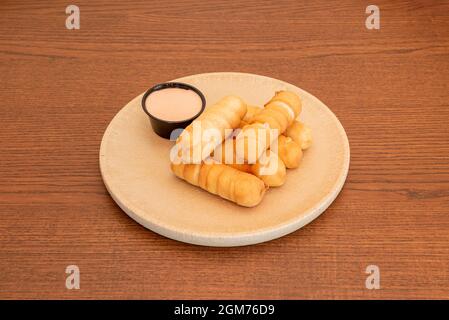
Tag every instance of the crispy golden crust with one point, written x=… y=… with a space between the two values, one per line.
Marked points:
x=289 y=151
x=240 y=187
x=226 y=154
x=270 y=169
x=290 y=98
x=251 y=111
x=300 y=133
x=279 y=113
x=275 y=118
x=225 y=114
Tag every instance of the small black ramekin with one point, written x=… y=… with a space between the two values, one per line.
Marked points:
x=164 y=128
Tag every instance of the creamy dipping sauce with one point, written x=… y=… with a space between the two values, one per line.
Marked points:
x=173 y=104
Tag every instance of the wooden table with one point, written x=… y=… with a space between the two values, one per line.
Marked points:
x=60 y=88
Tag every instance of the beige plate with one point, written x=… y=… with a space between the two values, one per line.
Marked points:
x=134 y=164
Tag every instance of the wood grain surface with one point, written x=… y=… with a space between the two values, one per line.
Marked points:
x=60 y=88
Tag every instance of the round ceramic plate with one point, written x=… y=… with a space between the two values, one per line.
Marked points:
x=134 y=164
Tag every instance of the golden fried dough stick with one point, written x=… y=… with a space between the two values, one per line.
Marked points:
x=242 y=188
x=226 y=154
x=300 y=133
x=251 y=111
x=278 y=114
x=289 y=151
x=270 y=169
x=216 y=122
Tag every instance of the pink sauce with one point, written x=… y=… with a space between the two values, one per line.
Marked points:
x=173 y=104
